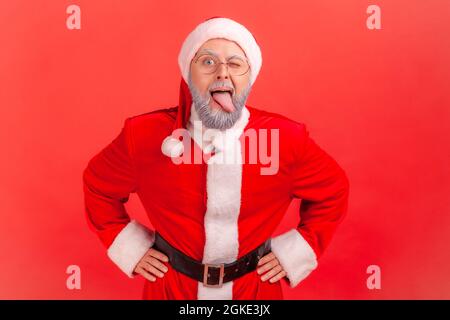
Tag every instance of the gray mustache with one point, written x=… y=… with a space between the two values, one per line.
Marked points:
x=218 y=84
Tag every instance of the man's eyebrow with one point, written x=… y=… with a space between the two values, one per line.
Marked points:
x=215 y=54
x=208 y=51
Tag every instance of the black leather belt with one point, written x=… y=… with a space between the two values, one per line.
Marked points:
x=212 y=275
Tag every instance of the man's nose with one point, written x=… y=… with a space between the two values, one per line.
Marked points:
x=222 y=72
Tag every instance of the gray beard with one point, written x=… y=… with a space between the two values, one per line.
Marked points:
x=217 y=118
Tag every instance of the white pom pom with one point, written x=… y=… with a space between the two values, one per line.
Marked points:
x=172 y=147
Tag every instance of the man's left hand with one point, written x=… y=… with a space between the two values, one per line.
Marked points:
x=270 y=268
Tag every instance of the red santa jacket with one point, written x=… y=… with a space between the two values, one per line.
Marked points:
x=216 y=212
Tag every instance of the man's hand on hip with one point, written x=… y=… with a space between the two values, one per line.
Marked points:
x=270 y=264
x=152 y=265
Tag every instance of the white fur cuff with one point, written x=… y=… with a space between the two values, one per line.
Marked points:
x=130 y=245
x=295 y=256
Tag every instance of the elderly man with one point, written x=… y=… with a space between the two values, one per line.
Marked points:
x=214 y=219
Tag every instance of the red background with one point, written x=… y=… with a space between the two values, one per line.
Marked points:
x=377 y=100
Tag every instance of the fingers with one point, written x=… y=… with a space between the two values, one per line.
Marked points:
x=145 y=274
x=272 y=272
x=155 y=263
x=150 y=268
x=266 y=258
x=270 y=264
x=267 y=266
x=158 y=255
x=151 y=265
x=279 y=276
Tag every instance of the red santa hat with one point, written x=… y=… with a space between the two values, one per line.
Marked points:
x=216 y=27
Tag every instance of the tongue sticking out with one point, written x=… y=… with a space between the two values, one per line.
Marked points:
x=224 y=100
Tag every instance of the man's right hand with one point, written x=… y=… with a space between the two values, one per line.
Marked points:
x=152 y=264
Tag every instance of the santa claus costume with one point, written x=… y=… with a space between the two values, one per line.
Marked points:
x=214 y=212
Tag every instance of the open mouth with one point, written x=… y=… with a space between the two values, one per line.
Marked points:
x=226 y=90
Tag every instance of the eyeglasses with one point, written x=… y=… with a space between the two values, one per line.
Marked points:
x=208 y=64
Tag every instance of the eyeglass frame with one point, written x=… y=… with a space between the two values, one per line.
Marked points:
x=220 y=62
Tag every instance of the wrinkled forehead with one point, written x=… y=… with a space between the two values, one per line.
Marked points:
x=221 y=47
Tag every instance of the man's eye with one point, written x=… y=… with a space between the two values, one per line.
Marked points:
x=208 y=62
x=236 y=63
